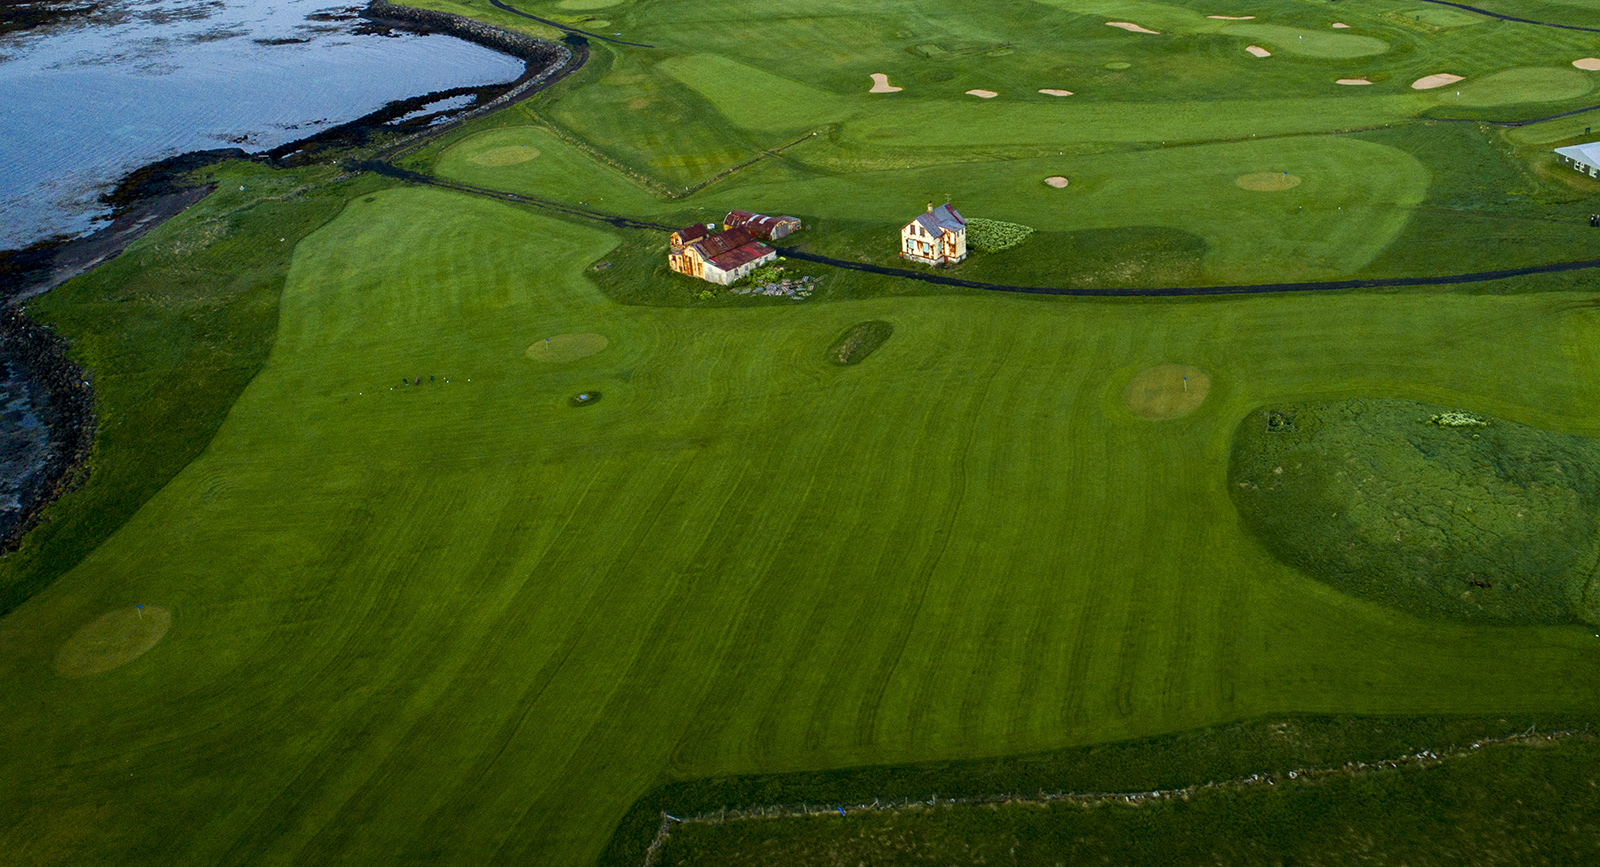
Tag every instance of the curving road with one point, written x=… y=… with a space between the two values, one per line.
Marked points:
x=504 y=7
x=1478 y=11
x=938 y=279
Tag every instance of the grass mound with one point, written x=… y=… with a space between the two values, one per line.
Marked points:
x=1434 y=512
x=993 y=236
x=112 y=641
x=859 y=341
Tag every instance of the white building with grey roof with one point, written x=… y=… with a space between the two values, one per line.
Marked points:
x=938 y=237
x=1584 y=157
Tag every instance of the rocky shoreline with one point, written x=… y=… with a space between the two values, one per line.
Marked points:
x=48 y=423
x=47 y=406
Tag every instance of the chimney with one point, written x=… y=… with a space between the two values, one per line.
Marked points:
x=930 y=207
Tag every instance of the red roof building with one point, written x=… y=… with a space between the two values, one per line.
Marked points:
x=721 y=258
x=760 y=225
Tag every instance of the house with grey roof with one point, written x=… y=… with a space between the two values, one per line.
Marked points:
x=1584 y=157
x=938 y=237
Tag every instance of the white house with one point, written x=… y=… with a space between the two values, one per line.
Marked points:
x=938 y=237
x=1585 y=157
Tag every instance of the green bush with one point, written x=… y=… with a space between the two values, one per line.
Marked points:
x=992 y=236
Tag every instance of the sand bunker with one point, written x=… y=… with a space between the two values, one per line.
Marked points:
x=1589 y=63
x=509 y=155
x=1050 y=91
x=1131 y=27
x=568 y=347
x=1232 y=17
x=1352 y=81
x=1168 y=391
x=1267 y=182
x=1438 y=79
x=1057 y=181
x=114 y=640
x=1258 y=51
x=982 y=94
x=1339 y=26
x=880 y=84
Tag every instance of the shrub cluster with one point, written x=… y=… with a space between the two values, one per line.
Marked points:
x=992 y=236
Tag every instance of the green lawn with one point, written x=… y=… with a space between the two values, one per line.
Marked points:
x=425 y=610
x=465 y=621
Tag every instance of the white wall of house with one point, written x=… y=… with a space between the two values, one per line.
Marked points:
x=716 y=275
x=917 y=244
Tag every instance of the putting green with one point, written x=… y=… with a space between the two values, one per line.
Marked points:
x=113 y=640
x=567 y=347
x=1267 y=182
x=1167 y=391
x=1512 y=86
x=1309 y=43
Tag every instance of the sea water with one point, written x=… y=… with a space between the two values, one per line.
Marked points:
x=82 y=104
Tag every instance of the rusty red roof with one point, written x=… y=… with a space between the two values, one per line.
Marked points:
x=741 y=255
x=716 y=245
x=691 y=233
x=760 y=225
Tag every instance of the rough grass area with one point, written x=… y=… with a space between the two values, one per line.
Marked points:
x=859 y=341
x=993 y=236
x=1437 y=512
x=1526 y=802
x=172 y=331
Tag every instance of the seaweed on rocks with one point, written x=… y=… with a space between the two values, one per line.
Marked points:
x=48 y=456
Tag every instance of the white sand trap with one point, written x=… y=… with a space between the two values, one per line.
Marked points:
x=880 y=84
x=1589 y=63
x=1352 y=81
x=1131 y=27
x=1258 y=51
x=567 y=347
x=982 y=94
x=509 y=155
x=1233 y=17
x=1267 y=182
x=114 y=640
x=1050 y=91
x=1340 y=26
x=1168 y=391
x=1057 y=181
x=1438 y=79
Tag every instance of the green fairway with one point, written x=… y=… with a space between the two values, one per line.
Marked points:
x=406 y=598
x=464 y=620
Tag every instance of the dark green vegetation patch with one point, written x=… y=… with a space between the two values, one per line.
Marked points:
x=1520 y=803
x=993 y=236
x=1434 y=511
x=859 y=341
